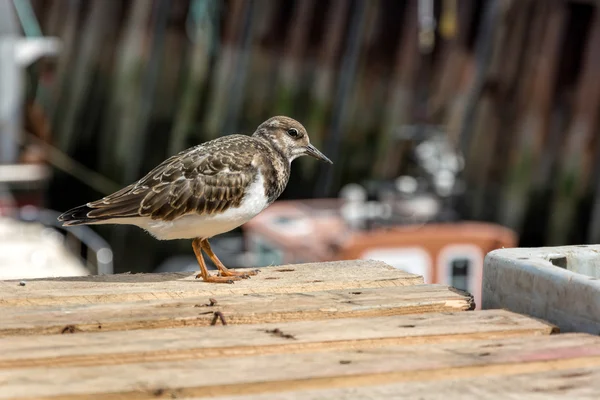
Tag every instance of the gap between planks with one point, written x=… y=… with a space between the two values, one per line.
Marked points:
x=94 y=289
x=112 y=348
x=237 y=309
x=307 y=371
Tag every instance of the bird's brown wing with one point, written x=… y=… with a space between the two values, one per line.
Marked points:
x=204 y=180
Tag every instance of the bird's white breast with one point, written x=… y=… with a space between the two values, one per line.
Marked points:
x=205 y=226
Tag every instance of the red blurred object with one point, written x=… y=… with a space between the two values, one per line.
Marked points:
x=315 y=230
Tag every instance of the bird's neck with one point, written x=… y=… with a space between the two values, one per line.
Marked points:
x=274 y=144
x=275 y=170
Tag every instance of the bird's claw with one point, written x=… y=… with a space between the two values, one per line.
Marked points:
x=237 y=277
x=237 y=274
x=219 y=279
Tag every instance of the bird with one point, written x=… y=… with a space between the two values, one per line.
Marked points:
x=207 y=190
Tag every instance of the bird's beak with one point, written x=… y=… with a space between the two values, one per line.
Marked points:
x=313 y=152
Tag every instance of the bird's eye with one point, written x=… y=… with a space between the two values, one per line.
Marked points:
x=293 y=132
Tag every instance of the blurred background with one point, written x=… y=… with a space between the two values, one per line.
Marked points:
x=455 y=126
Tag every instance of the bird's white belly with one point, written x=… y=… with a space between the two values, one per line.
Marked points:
x=205 y=226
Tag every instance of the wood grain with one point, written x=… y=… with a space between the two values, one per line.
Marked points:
x=578 y=383
x=237 y=309
x=112 y=348
x=134 y=287
x=306 y=371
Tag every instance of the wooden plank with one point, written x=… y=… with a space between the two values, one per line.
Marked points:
x=579 y=383
x=133 y=287
x=285 y=372
x=538 y=282
x=237 y=309
x=111 y=348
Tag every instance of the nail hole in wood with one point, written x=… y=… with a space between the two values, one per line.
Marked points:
x=69 y=329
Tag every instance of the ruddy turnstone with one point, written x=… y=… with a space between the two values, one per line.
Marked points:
x=207 y=190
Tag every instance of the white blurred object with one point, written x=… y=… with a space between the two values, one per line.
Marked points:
x=439 y=159
x=352 y=210
x=406 y=184
x=31 y=250
x=419 y=209
x=16 y=53
x=353 y=192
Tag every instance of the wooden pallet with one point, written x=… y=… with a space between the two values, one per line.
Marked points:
x=346 y=330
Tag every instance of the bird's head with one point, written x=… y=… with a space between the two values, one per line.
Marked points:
x=289 y=137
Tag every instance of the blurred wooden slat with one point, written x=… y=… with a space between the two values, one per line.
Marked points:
x=224 y=69
x=323 y=83
x=121 y=115
x=486 y=121
x=534 y=122
x=290 y=64
x=388 y=154
x=77 y=78
x=68 y=14
x=205 y=38
x=577 y=158
x=248 y=308
x=260 y=374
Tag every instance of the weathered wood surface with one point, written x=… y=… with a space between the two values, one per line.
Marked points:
x=334 y=330
x=132 y=287
x=237 y=309
x=113 y=348
x=580 y=383
x=272 y=373
x=541 y=283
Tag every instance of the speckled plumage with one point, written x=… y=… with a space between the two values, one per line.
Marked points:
x=204 y=180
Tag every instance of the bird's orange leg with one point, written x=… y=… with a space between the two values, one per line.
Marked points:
x=223 y=271
x=197 y=246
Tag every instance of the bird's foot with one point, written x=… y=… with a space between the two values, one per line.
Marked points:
x=241 y=274
x=218 y=279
